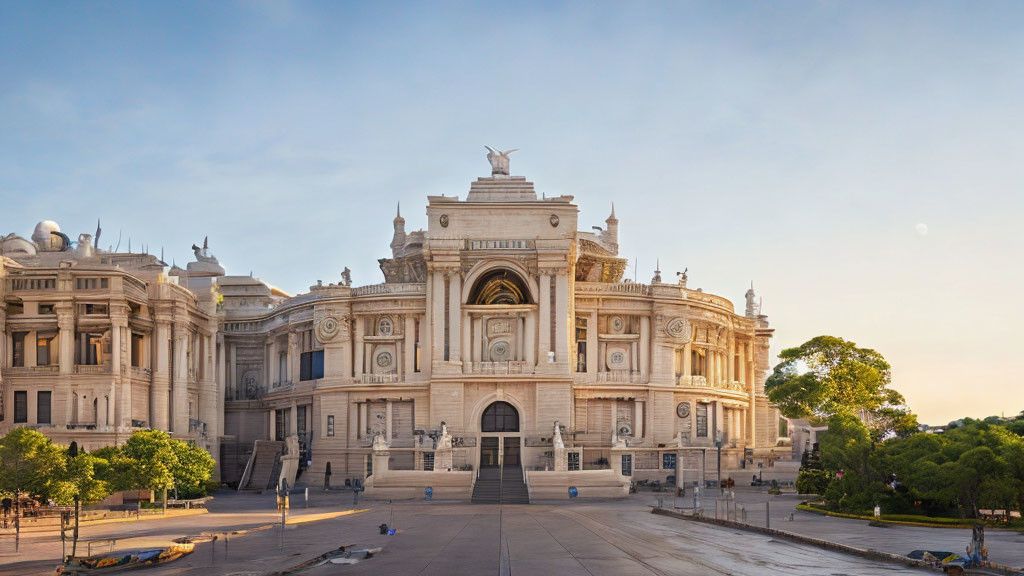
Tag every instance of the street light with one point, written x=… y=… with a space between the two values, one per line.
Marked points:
x=718 y=445
x=72 y=454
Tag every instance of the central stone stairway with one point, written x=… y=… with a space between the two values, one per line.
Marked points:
x=513 y=489
x=487 y=489
x=504 y=486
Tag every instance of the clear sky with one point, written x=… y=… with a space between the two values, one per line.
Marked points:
x=860 y=162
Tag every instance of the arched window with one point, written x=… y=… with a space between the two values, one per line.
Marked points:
x=500 y=287
x=500 y=417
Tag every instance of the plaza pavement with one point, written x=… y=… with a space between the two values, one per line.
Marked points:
x=585 y=538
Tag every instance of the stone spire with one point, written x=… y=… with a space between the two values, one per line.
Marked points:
x=753 y=306
x=610 y=236
x=398 y=240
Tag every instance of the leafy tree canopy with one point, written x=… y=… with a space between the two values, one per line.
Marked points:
x=827 y=375
x=28 y=461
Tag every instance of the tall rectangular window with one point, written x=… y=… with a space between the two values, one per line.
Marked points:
x=702 y=420
x=20 y=406
x=18 y=350
x=300 y=419
x=137 y=350
x=282 y=368
x=330 y=425
x=43 y=407
x=311 y=365
x=46 y=351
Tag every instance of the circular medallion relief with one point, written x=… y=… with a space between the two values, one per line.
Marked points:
x=554 y=220
x=500 y=351
x=618 y=357
x=683 y=410
x=678 y=328
x=327 y=328
x=444 y=220
x=616 y=324
x=385 y=327
x=384 y=359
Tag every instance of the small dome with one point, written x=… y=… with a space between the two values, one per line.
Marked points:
x=42 y=237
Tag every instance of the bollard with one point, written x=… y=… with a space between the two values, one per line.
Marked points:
x=307 y=497
x=213 y=550
x=767 y=515
x=226 y=545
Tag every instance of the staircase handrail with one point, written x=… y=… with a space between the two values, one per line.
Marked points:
x=248 y=467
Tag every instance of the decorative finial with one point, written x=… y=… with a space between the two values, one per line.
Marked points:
x=96 y=241
x=206 y=243
x=612 y=216
x=499 y=160
x=398 y=212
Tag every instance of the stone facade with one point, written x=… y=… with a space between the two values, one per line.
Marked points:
x=500 y=302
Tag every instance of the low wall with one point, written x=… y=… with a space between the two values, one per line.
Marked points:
x=549 y=485
x=410 y=485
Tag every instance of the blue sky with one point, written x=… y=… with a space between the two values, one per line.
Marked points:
x=798 y=145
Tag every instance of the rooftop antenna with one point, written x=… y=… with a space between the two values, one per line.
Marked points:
x=162 y=255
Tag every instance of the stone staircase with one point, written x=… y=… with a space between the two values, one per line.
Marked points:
x=513 y=489
x=263 y=463
x=501 y=486
x=487 y=489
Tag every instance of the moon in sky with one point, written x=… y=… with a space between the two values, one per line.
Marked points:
x=922 y=229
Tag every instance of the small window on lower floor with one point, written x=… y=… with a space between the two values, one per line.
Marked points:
x=43 y=408
x=20 y=406
x=330 y=425
x=668 y=461
x=574 y=461
x=428 y=461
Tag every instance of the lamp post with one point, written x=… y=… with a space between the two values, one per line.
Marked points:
x=718 y=445
x=72 y=454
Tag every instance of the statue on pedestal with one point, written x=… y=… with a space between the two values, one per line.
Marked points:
x=379 y=442
x=444 y=441
x=499 y=160
x=556 y=440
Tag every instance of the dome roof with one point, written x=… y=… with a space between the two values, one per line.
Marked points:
x=41 y=235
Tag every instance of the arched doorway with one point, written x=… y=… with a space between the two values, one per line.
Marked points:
x=499 y=441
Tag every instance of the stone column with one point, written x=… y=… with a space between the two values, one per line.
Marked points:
x=118 y=365
x=645 y=347
x=222 y=380
x=293 y=420
x=731 y=363
x=752 y=409
x=437 y=318
x=388 y=420
x=638 y=419
x=687 y=360
x=179 y=384
x=358 y=353
x=210 y=403
x=159 y=403
x=520 y=341
x=65 y=338
x=530 y=339
x=592 y=362
x=272 y=425
x=544 y=329
x=293 y=357
x=232 y=367
x=466 y=334
x=562 y=318
x=454 y=316
x=410 y=346
x=477 y=336
x=602 y=353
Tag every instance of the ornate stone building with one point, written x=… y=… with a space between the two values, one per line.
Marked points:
x=99 y=343
x=502 y=339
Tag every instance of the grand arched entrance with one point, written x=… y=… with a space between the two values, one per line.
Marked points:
x=499 y=436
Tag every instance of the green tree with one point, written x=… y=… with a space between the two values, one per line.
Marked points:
x=193 y=469
x=78 y=476
x=152 y=459
x=28 y=461
x=828 y=375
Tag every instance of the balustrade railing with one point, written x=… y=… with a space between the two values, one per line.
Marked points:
x=509 y=367
x=397 y=288
x=379 y=378
x=623 y=376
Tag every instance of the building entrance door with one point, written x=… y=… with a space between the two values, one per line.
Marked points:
x=511 y=456
x=489 y=452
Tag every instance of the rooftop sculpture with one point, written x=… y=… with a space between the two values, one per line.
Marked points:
x=499 y=161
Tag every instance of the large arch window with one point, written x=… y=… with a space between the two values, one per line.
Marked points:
x=500 y=417
x=500 y=287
